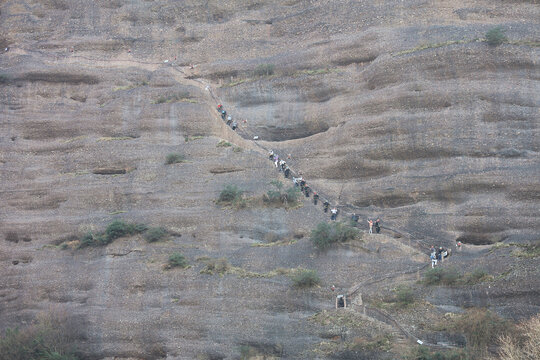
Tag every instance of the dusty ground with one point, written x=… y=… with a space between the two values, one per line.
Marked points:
x=396 y=110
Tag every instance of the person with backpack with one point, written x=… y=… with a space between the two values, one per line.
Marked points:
x=307 y=189
x=334 y=215
x=229 y=120
x=271 y=154
x=286 y=171
x=223 y=114
x=234 y=125
x=315 y=198
x=326 y=204
x=377 y=226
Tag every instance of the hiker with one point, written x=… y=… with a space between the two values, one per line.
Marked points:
x=271 y=154
x=219 y=108
x=229 y=120
x=302 y=184
x=326 y=204
x=234 y=125
x=334 y=212
x=370 y=222
x=315 y=198
x=286 y=171
x=295 y=181
x=341 y=301
x=276 y=160
x=355 y=218
x=458 y=245
x=433 y=260
x=282 y=163
x=441 y=253
x=307 y=190
x=432 y=249
x=223 y=114
x=377 y=226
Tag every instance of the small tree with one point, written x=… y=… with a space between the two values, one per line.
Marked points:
x=231 y=194
x=264 y=70
x=177 y=260
x=155 y=234
x=174 y=158
x=326 y=234
x=496 y=36
x=305 y=279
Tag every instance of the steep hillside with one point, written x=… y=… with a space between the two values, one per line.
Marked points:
x=394 y=110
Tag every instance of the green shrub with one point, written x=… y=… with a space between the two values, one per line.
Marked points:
x=174 y=158
x=264 y=70
x=475 y=277
x=439 y=275
x=49 y=338
x=116 y=229
x=423 y=353
x=327 y=234
x=404 y=296
x=155 y=234
x=277 y=196
x=216 y=266
x=305 y=279
x=230 y=195
x=481 y=328
x=223 y=143
x=177 y=260
x=496 y=36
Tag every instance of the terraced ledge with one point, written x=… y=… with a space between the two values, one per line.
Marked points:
x=532 y=43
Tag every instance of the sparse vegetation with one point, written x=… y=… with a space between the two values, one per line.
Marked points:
x=237 y=149
x=174 y=158
x=179 y=97
x=481 y=328
x=441 y=276
x=114 y=230
x=527 y=251
x=191 y=138
x=264 y=70
x=155 y=234
x=232 y=195
x=325 y=235
x=50 y=337
x=496 y=36
x=223 y=143
x=424 y=353
x=404 y=296
x=278 y=196
x=177 y=260
x=216 y=266
x=305 y=279
x=522 y=344
x=450 y=276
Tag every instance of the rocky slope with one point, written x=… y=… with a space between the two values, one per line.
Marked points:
x=393 y=110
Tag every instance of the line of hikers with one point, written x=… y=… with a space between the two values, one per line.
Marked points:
x=282 y=166
x=227 y=118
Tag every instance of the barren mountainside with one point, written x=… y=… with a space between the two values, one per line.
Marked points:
x=407 y=111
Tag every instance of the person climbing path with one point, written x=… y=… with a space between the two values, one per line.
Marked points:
x=378 y=226
x=370 y=222
x=315 y=198
x=326 y=204
x=334 y=212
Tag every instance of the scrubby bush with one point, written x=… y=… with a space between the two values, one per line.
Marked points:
x=177 y=260
x=522 y=344
x=327 y=234
x=114 y=230
x=475 y=277
x=481 y=328
x=439 y=275
x=216 y=266
x=50 y=337
x=231 y=195
x=264 y=70
x=423 y=353
x=278 y=196
x=223 y=143
x=174 y=158
x=305 y=279
x=155 y=234
x=404 y=296
x=496 y=36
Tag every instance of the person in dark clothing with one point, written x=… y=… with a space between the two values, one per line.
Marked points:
x=378 y=226
x=326 y=204
x=223 y=114
x=307 y=190
x=315 y=198
x=234 y=125
x=334 y=212
x=355 y=218
x=287 y=171
x=302 y=184
x=219 y=108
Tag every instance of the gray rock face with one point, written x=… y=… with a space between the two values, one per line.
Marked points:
x=391 y=110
